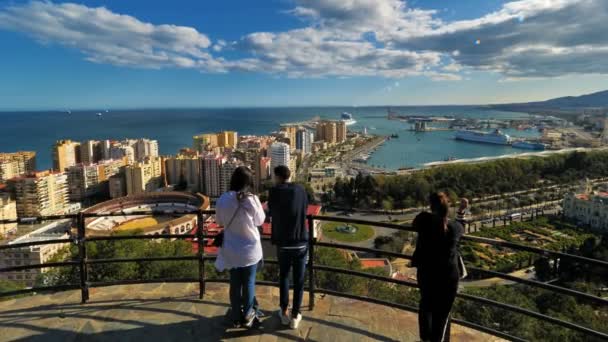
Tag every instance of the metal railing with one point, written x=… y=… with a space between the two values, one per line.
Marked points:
x=83 y=263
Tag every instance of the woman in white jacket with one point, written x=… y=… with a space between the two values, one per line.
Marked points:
x=240 y=213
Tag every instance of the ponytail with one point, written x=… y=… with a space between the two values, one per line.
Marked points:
x=440 y=206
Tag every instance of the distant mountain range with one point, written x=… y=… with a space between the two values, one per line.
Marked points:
x=560 y=104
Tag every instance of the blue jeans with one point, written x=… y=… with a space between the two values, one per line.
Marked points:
x=242 y=291
x=294 y=259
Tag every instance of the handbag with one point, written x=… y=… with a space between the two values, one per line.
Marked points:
x=462 y=269
x=218 y=241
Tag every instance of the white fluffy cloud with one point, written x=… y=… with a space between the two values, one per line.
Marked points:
x=528 y=38
x=341 y=38
x=316 y=52
x=107 y=37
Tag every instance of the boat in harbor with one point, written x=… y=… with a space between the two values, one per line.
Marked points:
x=529 y=145
x=348 y=119
x=496 y=137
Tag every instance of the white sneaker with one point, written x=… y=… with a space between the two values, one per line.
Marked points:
x=285 y=320
x=295 y=322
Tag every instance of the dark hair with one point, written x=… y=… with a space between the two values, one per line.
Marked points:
x=282 y=171
x=440 y=207
x=241 y=179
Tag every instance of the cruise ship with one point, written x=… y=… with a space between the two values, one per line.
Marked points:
x=496 y=137
x=348 y=119
x=529 y=145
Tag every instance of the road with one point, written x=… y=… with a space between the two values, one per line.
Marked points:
x=526 y=273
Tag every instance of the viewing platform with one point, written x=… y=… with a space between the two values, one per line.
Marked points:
x=173 y=312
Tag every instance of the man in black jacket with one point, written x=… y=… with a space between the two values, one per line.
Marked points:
x=287 y=205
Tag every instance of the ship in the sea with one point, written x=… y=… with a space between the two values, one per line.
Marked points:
x=496 y=137
x=529 y=145
x=348 y=119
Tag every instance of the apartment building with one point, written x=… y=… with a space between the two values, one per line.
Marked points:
x=41 y=193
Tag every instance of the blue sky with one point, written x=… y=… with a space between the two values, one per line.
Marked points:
x=185 y=53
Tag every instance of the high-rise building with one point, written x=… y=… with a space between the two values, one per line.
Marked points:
x=340 y=131
x=8 y=211
x=117 y=185
x=291 y=132
x=41 y=193
x=304 y=141
x=145 y=148
x=184 y=168
x=93 y=151
x=105 y=149
x=261 y=170
x=143 y=176
x=279 y=155
x=320 y=131
x=331 y=132
x=66 y=153
x=122 y=151
x=210 y=174
x=87 y=180
x=16 y=164
x=8 y=169
x=203 y=142
x=227 y=139
x=226 y=171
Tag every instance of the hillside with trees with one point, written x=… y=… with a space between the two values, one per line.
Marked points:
x=469 y=180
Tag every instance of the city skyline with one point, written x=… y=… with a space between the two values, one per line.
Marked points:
x=111 y=54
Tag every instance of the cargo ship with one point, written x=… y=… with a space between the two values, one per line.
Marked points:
x=529 y=145
x=496 y=137
x=347 y=118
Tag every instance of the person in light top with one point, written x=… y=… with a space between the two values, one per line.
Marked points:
x=240 y=213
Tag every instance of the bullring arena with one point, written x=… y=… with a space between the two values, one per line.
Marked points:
x=168 y=202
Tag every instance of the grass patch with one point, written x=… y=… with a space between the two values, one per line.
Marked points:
x=364 y=232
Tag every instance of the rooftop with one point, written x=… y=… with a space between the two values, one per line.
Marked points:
x=173 y=312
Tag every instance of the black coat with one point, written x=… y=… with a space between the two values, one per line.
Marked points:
x=436 y=249
x=287 y=206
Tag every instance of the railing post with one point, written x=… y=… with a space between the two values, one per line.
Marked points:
x=311 y=258
x=201 y=254
x=82 y=258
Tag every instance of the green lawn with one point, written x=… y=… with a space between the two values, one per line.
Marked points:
x=363 y=233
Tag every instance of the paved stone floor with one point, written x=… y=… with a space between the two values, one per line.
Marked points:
x=173 y=312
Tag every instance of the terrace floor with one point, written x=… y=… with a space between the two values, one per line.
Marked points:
x=173 y=312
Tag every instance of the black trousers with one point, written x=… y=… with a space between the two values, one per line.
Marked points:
x=437 y=294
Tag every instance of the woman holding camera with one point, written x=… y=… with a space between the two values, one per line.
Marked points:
x=240 y=213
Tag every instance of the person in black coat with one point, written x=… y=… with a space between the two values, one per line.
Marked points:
x=437 y=260
x=287 y=206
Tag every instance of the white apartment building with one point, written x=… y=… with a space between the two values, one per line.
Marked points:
x=279 y=155
x=86 y=180
x=121 y=151
x=34 y=254
x=93 y=151
x=145 y=148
